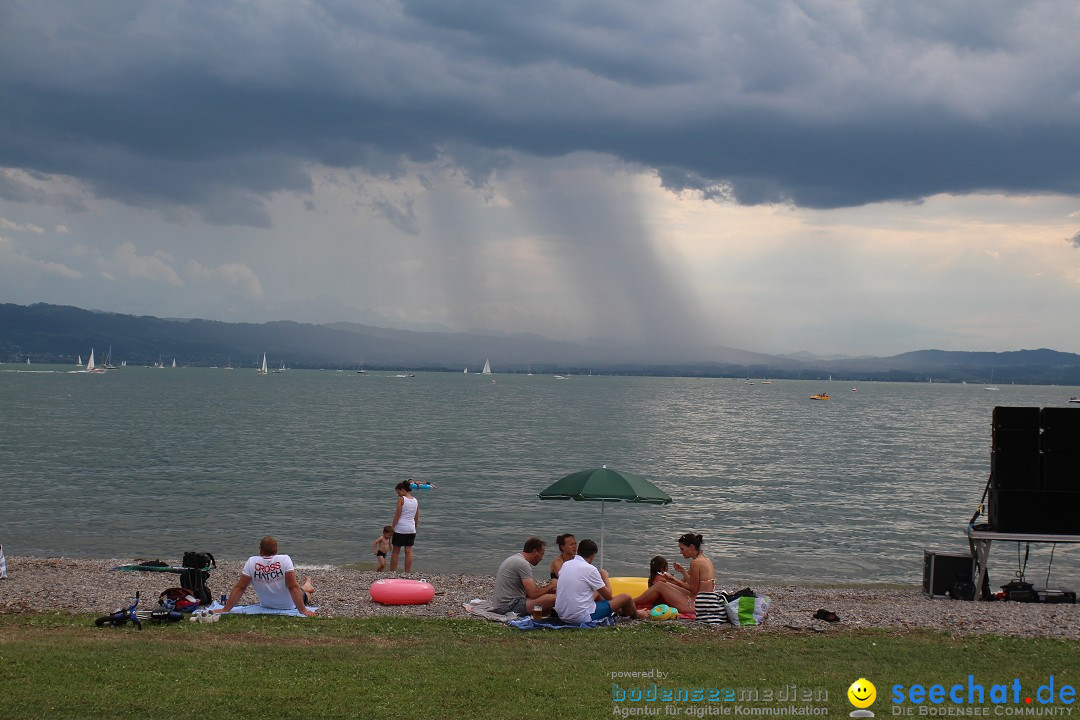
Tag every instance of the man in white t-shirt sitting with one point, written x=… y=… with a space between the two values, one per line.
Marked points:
x=578 y=580
x=274 y=579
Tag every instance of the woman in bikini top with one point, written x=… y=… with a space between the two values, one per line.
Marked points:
x=680 y=594
x=701 y=577
x=567 y=550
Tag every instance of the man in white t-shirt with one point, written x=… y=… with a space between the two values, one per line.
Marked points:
x=274 y=580
x=578 y=580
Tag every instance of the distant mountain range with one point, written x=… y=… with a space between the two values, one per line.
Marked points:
x=59 y=334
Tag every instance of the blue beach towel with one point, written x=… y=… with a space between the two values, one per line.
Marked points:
x=527 y=623
x=260 y=610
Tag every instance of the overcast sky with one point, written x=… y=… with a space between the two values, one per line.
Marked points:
x=833 y=176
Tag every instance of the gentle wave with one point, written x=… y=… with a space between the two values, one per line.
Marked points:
x=142 y=462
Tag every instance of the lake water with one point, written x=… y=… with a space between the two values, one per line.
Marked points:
x=148 y=463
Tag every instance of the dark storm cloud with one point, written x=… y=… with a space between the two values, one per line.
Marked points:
x=14 y=188
x=209 y=107
x=400 y=214
x=1075 y=240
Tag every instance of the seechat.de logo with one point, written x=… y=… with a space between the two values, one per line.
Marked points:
x=862 y=694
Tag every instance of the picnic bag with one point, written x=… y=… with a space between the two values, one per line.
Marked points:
x=748 y=610
x=178 y=599
x=709 y=607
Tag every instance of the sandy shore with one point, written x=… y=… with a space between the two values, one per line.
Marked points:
x=89 y=586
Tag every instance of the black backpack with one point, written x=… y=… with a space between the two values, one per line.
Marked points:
x=194 y=578
x=962 y=588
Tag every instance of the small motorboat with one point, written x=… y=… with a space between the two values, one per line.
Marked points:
x=820 y=396
x=1074 y=399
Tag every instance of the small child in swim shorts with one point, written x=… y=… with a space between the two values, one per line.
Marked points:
x=381 y=546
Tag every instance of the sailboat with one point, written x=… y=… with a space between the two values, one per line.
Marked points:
x=174 y=362
x=991 y=386
x=276 y=372
x=108 y=360
x=228 y=363
x=90 y=367
x=78 y=363
x=262 y=370
x=487 y=368
x=466 y=371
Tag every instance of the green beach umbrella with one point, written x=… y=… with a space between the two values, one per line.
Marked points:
x=604 y=484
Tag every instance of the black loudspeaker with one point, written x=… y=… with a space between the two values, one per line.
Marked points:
x=1017 y=440
x=1015 y=462
x=1061 y=471
x=1015 y=470
x=1060 y=417
x=941 y=571
x=1040 y=512
x=1061 y=430
x=1061 y=448
x=1017 y=418
x=1035 y=471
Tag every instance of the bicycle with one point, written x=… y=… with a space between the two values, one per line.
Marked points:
x=122 y=616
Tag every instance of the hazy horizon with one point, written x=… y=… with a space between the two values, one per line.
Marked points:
x=638 y=354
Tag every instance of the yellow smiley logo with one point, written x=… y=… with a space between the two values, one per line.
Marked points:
x=862 y=693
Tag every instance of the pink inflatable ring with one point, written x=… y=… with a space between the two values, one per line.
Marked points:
x=398 y=591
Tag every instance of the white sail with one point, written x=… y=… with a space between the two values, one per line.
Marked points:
x=466 y=371
x=91 y=367
x=262 y=370
x=174 y=362
x=487 y=368
x=79 y=363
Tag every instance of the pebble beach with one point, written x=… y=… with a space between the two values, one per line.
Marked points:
x=76 y=585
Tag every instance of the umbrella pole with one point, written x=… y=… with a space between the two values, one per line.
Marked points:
x=601 y=534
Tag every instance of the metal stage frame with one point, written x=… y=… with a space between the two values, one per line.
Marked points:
x=979 y=542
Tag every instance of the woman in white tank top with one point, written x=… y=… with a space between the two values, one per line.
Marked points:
x=406 y=520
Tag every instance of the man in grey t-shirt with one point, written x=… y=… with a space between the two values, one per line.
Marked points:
x=515 y=588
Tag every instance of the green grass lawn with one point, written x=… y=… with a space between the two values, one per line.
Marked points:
x=58 y=666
